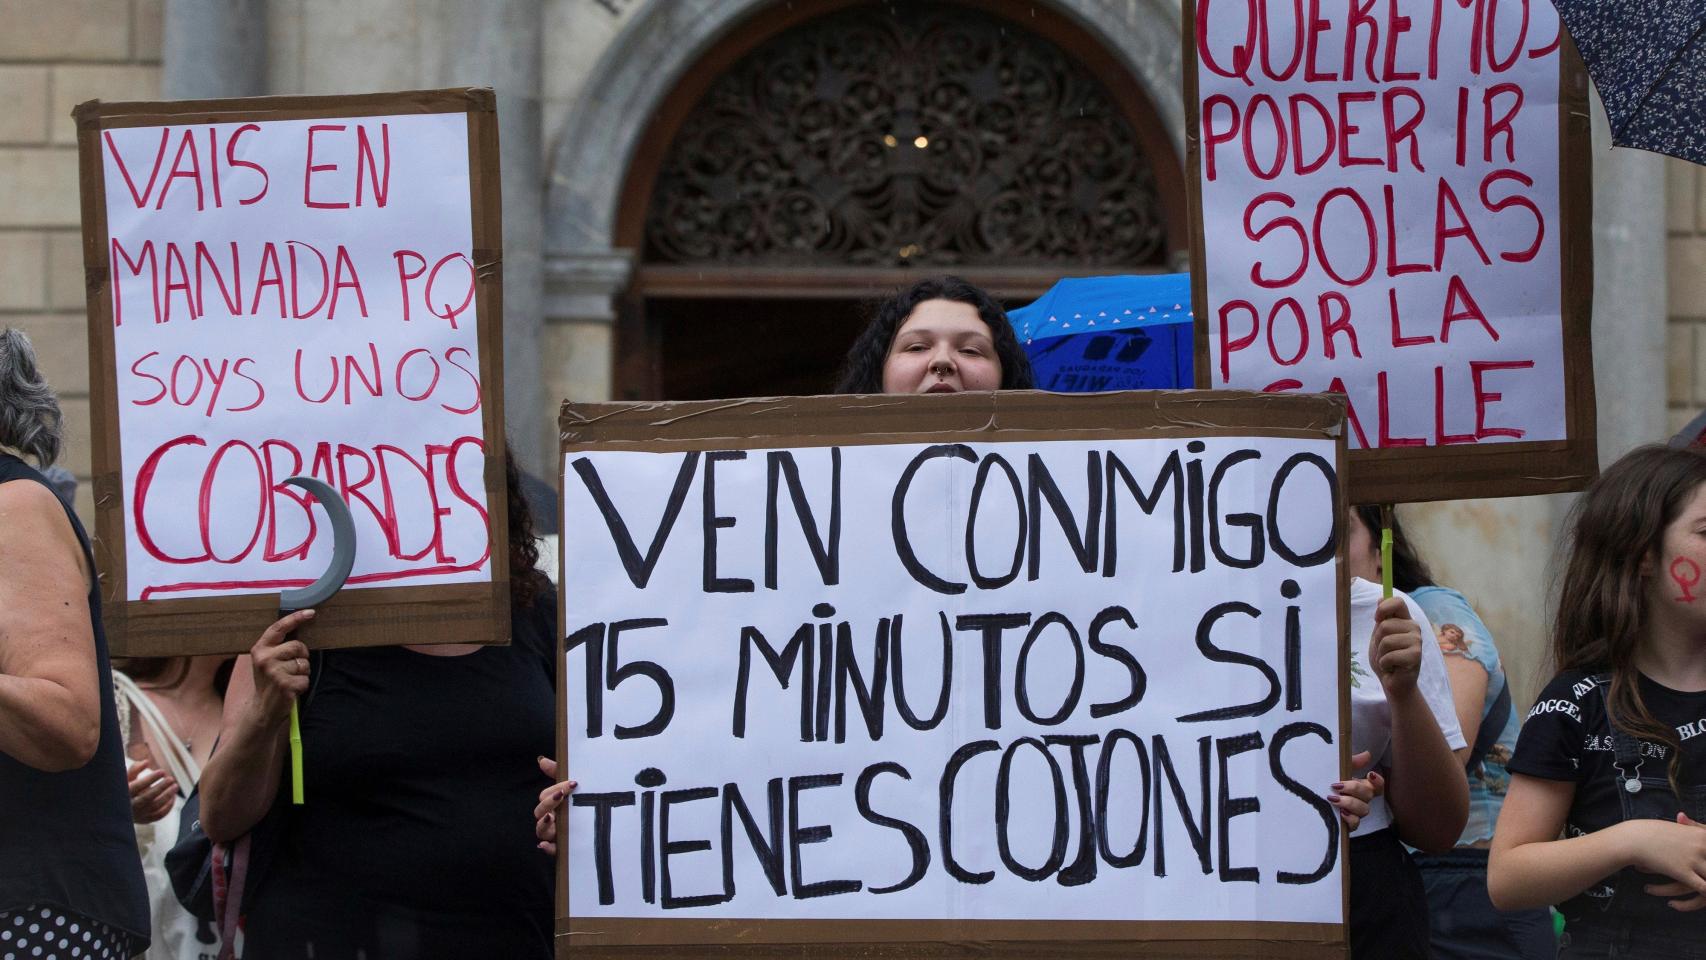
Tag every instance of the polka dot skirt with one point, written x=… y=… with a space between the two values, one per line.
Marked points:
x=51 y=933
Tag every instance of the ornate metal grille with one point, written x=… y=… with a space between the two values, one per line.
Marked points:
x=915 y=133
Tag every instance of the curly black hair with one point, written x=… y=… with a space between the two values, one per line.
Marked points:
x=526 y=581
x=863 y=370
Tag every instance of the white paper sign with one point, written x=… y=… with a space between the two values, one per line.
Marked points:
x=1139 y=720
x=295 y=297
x=1380 y=212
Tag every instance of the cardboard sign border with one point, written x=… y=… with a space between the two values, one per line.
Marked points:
x=1516 y=469
x=1015 y=415
x=376 y=616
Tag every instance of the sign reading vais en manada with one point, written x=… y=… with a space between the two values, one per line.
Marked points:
x=295 y=297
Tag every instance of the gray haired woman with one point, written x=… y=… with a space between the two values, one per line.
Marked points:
x=70 y=881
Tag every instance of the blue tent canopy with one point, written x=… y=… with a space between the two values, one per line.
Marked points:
x=1089 y=334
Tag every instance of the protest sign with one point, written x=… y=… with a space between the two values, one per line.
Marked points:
x=296 y=285
x=1391 y=199
x=1024 y=671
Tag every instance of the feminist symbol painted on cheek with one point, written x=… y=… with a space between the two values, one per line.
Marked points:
x=1686 y=573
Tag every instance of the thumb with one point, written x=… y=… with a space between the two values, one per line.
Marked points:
x=548 y=767
x=1361 y=760
x=1687 y=821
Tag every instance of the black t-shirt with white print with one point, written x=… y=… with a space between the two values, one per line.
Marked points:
x=1567 y=736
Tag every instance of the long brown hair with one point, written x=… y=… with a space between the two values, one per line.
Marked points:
x=1616 y=538
x=156 y=673
x=1409 y=571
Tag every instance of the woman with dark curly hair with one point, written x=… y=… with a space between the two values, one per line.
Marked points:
x=421 y=765
x=940 y=335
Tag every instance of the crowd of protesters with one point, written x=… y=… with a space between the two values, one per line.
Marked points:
x=1463 y=830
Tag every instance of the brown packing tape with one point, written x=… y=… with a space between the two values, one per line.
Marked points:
x=1193 y=194
x=486 y=243
x=1342 y=461
x=561 y=906
x=114 y=114
x=1418 y=474
x=1011 y=414
x=103 y=392
x=969 y=417
x=456 y=613
x=568 y=948
x=1042 y=938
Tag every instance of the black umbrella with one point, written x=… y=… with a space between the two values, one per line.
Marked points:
x=1648 y=59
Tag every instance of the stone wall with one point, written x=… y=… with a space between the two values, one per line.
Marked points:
x=1685 y=354
x=54 y=56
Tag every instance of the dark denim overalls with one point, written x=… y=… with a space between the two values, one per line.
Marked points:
x=1634 y=923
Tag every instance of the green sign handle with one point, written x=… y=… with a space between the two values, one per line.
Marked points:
x=295 y=755
x=1385 y=551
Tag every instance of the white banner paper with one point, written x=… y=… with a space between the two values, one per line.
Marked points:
x=1139 y=721
x=1380 y=212
x=295 y=297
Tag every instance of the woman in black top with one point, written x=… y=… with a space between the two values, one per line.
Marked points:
x=1611 y=757
x=421 y=769
x=70 y=880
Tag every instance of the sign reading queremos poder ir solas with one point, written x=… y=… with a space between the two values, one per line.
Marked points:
x=1392 y=201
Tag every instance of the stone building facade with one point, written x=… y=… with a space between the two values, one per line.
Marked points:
x=586 y=90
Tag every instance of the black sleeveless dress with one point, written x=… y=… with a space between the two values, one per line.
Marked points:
x=420 y=777
x=67 y=846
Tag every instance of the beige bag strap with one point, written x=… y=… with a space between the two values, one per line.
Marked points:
x=180 y=763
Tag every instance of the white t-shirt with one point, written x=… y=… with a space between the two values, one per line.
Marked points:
x=1371 y=715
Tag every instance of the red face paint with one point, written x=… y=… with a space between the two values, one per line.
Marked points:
x=1686 y=573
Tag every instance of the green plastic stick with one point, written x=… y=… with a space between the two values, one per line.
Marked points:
x=295 y=755
x=1386 y=551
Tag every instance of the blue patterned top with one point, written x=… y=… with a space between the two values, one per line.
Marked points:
x=1462 y=634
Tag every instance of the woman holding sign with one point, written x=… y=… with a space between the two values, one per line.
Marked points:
x=1463 y=921
x=940 y=335
x=414 y=841
x=69 y=873
x=1402 y=714
x=1611 y=758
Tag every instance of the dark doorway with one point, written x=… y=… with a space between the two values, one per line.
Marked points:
x=751 y=347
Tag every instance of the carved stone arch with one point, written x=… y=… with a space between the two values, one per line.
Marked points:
x=646 y=85
x=663 y=39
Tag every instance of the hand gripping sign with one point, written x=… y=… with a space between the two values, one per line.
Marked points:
x=296 y=286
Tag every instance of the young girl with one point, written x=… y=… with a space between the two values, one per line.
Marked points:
x=1608 y=787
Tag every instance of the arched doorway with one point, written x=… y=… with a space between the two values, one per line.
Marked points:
x=813 y=160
